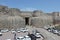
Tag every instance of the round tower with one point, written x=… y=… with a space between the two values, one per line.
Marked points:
x=55 y=15
x=37 y=13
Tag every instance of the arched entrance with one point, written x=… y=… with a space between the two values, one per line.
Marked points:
x=26 y=20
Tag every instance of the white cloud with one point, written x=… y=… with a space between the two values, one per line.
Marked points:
x=28 y=9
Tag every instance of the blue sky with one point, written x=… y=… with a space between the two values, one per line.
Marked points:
x=44 y=5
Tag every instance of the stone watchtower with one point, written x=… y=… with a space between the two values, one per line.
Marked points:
x=56 y=17
x=37 y=13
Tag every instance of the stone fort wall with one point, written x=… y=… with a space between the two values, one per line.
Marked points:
x=35 y=18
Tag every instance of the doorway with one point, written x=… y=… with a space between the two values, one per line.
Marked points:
x=26 y=20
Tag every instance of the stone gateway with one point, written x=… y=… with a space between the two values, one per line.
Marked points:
x=15 y=18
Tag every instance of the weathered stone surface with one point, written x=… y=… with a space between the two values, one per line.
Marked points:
x=56 y=17
x=11 y=22
x=41 y=21
x=36 y=18
x=14 y=12
x=26 y=14
x=37 y=13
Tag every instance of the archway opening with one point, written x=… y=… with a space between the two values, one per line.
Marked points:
x=26 y=20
